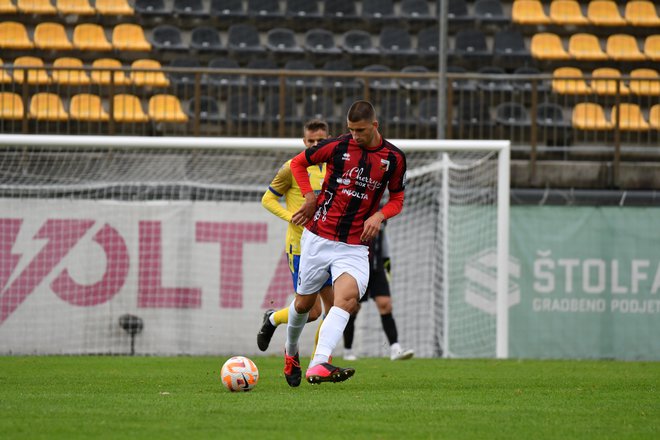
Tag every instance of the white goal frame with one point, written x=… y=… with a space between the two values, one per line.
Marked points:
x=500 y=147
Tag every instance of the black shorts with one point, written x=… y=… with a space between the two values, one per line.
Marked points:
x=378 y=285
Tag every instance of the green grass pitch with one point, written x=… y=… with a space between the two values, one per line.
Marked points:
x=181 y=397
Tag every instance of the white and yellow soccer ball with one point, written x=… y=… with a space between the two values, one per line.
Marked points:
x=239 y=374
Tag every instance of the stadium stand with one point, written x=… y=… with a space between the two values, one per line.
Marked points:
x=11 y=106
x=7 y=7
x=129 y=36
x=548 y=46
x=623 y=47
x=490 y=11
x=14 y=35
x=147 y=72
x=114 y=7
x=642 y=13
x=30 y=70
x=108 y=71
x=590 y=116
x=91 y=37
x=604 y=13
x=567 y=13
x=166 y=37
x=629 y=117
x=75 y=7
x=74 y=76
x=529 y=12
x=645 y=82
x=87 y=107
x=652 y=47
x=45 y=106
x=150 y=8
x=128 y=109
x=206 y=39
x=37 y=7
x=189 y=9
x=585 y=47
x=166 y=108
x=51 y=36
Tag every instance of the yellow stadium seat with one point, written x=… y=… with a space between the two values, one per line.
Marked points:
x=654 y=117
x=590 y=116
x=529 y=12
x=75 y=7
x=114 y=7
x=75 y=76
x=7 y=7
x=567 y=12
x=31 y=76
x=47 y=107
x=548 y=46
x=13 y=35
x=51 y=36
x=153 y=78
x=11 y=106
x=88 y=36
x=642 y=13
x=87 y=107
x=128 y=36
x=128 y=108
x=166 y=108
x=645 y=82
x=652 y=47
x=569 y=81
x=586 y=47
x=622 y=47
x=605 y=81
x=630 y=117
x=41 y=7
x=5 y=75
x=103 y=72
x=605 y=13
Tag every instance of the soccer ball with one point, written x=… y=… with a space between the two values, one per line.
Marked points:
x=239 y=374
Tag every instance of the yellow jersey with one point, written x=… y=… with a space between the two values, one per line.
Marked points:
x=284 y=185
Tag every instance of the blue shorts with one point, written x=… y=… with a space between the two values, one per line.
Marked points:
x=294 y=263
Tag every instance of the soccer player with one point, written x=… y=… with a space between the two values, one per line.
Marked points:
x=339 y=225
x=284 y=185
x=378 y=290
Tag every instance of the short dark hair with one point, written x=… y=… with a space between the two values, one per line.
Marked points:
x=361 y=111
x=316 y=125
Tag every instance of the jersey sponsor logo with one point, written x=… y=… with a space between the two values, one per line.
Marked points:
x=354 y=193
x=346 y=156
x=356 y=174
x=322 y=211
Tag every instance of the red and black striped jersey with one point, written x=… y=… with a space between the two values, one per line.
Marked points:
x=355 y=181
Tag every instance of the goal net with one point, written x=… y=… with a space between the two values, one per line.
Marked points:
x=161 y=246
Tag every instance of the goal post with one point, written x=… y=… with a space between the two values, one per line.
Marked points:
x=168 y=234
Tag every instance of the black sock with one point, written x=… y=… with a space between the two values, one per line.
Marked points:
x=349 y=332
x=390 y=328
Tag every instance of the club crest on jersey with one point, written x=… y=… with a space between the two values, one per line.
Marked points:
x=384 y=164
x=346 y=156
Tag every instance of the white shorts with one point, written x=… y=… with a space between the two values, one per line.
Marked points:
x=318 y=256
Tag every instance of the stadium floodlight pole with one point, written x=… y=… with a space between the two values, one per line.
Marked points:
x=442 y=65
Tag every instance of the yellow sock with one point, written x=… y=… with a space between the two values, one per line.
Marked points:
x=281 y=316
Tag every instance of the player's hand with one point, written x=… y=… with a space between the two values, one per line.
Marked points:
x=387 y=265
x=372 y=227
x=306 y=211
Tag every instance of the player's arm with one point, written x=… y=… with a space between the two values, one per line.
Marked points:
x=372 y=225
x=299 y=166
x=277 y=188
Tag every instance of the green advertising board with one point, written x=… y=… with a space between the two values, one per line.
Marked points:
x=589 y=282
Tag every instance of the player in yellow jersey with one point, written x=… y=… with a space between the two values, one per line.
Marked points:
x=284 y=185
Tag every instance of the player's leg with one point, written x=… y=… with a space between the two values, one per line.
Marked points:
x=349 y=334
x=384 y=304
x=324 y=302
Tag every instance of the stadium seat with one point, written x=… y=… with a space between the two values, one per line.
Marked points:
x=37 y=7
x=495 y=80
x=569 y=81
x=13 y=35
x=509 y=47
x=114 y=7
x=457 y=12
x=341 y=84
x=337 y=10
x=460 y=84
x=166 y=108
x=395 y=44
x=7 y=7
x=11 y=106
x=417 y=84
x=5 y=74
x=151 y=8
x=528 y=84
x=263 y=80
x=87 y=107
x=471 y=43
x=268 y=10
x=189 y=9
x=642 y=13
x=47 y=107
x=529 y=12
x=206 y=38
x=151 y=75
x=282 y=41
x=416 y=11
x=586 y=47
x=51 y=36
x=630 y=117
x=427 y=42
x=645 y=82
x=75 y=7
x=548 y=46
x=167 y=37
x=512 y=114
x=74 y=76
x=209 y=110
x=378 y=11
x=428 y=111
x=302 y=83
x=622 y=47
x=243 y=41
x=654 y=117
x=128 y=108
x=128 y=36
x=381 y=83
x=188 y=77
x=225 y=79
x=243 y=108
x=472 y=112
x=317 y=106
x=88 y=36
x=550 y=116
x=321 y=42
x=607 y=81
x=22 y=74
x=590 y=116
x=228 y=10
x=490 y=11
x=272 y=109
x=567 y=13
x=107 y=71
x=358 y=42
x=652 y=47
x=604 y=13
x=303 y=10
x=395 y=109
